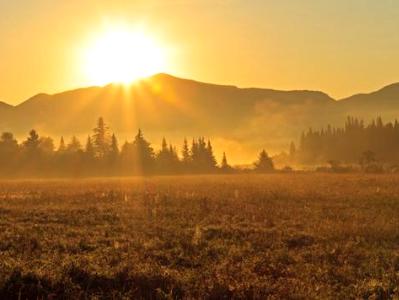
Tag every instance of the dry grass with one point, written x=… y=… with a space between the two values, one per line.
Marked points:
x=298 y=236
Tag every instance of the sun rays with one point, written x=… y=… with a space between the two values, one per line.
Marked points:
x=121 y=55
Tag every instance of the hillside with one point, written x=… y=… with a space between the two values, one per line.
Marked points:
x=164 y=105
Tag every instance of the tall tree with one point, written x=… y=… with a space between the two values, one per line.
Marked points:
x=74 y=145
x=186 y=157
x=46 y=145
x=167 y=159
x=101 y=139
x=211 y=157
x=32 y=142
x=264 y=163
x=224 y=166
x=114 y=149
x=9 y=153
x=61 y=147
x=143 y=154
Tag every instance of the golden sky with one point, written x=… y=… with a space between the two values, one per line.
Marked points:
x=341 y=47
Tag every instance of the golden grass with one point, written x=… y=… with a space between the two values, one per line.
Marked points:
x=275 y=236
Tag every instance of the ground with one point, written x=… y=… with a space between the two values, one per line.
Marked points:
x=277 y=236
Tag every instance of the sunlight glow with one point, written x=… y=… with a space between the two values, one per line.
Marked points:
x=121 y=55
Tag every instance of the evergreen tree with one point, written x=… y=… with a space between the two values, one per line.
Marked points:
x=46 y=145
x=114 y=149
x=61 y=147
x=348 y=144
x=186 y=158
x=202 y=157
x=224 y=166
x=8 y=144
x=74 y=145
x=89 y=150
x=32 y=142
x=9 y=152
x=210 y=157
x=174 y=160
x=143 y=154
x=101 y=139
x=264 y=163
x=113 y=157
x=167 y=159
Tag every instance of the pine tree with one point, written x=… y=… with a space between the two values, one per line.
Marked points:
x=61 y=147
x=167 y=159
x=224 y=166
x=32 y=142
x=89 y=150
x=74 y=145
x=46 y=145
x=264 y=163
x=114 y=149
x=101 y=139
x=211 y=160
x=9 y=152
x=186 y=158
x=143 y=154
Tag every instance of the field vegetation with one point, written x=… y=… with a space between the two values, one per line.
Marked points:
x=276 y=236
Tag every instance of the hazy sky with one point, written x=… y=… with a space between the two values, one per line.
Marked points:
x=340 y=47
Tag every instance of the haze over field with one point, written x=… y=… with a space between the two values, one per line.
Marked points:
x=199 y=149
x=240 y=120
x=339 y=49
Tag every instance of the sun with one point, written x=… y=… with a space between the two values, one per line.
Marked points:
x=121 y=55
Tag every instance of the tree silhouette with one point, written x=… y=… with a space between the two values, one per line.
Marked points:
x=62 y=147
x=224 y=166
x=101 y=156
x=74 y=145
x=101 y=139
x=9 y=153
x=210 y=157
x=113 y=156
x=167 y=160
x=264 y=163
x=89 y=148
x=32 y=142
x=89 y=158
x=114 y=149
x=143 y=154
x=348 y=144
x=186 y=158
x=46 y=145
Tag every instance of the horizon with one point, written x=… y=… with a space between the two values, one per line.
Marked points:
x=133 y=82
x=283 y=46
x=199 y=149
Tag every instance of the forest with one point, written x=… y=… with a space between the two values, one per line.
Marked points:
x=102 y=156
x=355 y=144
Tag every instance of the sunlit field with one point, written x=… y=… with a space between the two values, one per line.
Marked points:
x=275 y=236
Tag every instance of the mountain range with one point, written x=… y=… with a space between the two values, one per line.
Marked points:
x=241 y=121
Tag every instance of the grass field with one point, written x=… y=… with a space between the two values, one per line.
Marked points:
x=281 y=236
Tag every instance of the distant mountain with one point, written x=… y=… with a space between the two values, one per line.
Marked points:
x=386 y=95
x=243 y=120
x=384 y=103
x=5 y=106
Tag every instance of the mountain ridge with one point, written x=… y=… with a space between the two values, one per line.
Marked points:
x=247 y=119
x=165 y=76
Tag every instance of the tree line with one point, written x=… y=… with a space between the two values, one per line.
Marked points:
x=355 y=143
x=101 y=155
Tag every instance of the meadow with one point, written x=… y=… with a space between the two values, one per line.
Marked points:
x=276 y=236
